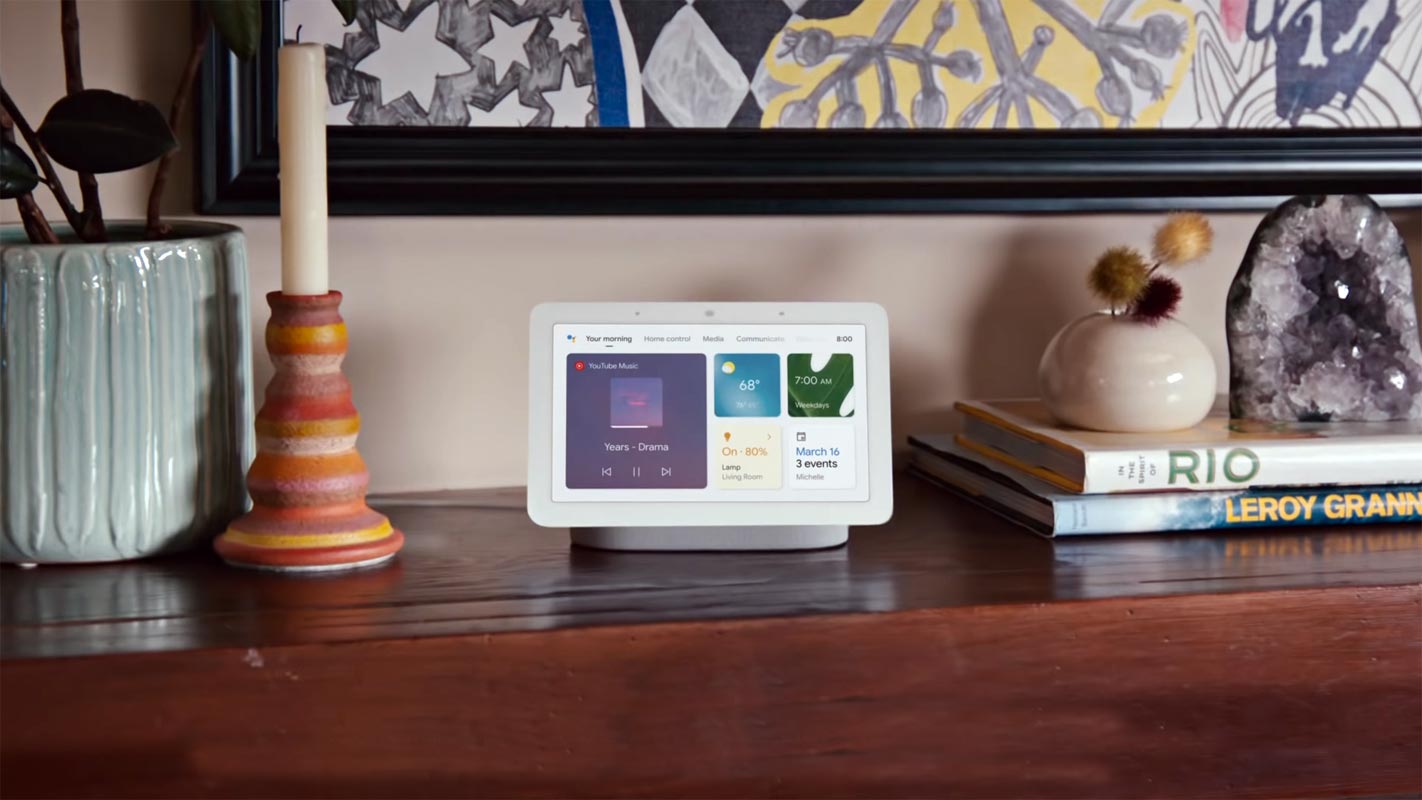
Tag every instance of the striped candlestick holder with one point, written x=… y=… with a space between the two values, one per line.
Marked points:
x=308 y=482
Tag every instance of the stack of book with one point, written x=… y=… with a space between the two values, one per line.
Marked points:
x=1014 y=459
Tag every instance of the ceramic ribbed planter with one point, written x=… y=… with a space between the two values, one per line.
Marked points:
x=125 y=393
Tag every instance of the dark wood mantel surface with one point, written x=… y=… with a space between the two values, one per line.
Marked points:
x=483 y=567
x=947 y=653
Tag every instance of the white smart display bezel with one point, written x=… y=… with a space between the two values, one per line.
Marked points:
x=544 y=511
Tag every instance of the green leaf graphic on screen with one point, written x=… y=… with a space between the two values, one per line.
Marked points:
x=820 y=393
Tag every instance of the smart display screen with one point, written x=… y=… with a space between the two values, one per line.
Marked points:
x=713 y=412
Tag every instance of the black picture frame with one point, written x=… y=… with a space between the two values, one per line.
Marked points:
x=451 y=171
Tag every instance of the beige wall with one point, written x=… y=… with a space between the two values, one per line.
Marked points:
x=437 y=307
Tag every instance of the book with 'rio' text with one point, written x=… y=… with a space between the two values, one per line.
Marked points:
x=1049 y=511
x=1219 y=453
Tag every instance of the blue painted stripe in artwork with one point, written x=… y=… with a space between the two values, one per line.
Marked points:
x=607 y=64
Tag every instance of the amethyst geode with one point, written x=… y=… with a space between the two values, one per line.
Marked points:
x=1321 y=321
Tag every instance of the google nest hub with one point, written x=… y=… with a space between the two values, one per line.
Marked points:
x=720 y=426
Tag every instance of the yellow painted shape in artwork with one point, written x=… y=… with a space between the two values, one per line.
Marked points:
x=1066 y=63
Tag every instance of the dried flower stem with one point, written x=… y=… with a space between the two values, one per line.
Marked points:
x=51 y=178
x=92 y=219
x=156 y=228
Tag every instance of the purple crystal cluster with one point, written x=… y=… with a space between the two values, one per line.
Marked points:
x=1321 y=319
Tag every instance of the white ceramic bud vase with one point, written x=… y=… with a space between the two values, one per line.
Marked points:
x=1120 y=373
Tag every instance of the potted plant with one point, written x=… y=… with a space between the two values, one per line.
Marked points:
x=125 y=366
x=1133 y=367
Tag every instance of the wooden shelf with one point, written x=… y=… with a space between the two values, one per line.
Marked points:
x=947 y=653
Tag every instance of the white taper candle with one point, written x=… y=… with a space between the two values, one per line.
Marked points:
x=301 y=131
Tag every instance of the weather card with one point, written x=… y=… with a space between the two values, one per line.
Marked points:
x=747 y=385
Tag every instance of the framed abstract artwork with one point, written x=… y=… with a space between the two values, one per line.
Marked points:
x=808 y=106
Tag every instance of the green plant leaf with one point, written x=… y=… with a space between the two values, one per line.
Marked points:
x=240 y=24
x=347 y=8
x=822 y=393
x=101 y=131
x=17 y=172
